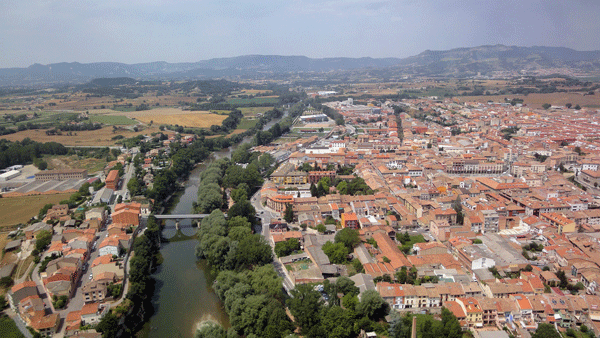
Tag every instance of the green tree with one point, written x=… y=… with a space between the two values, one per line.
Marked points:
x=546 y=105
x=238 y=221
x=338 y=323
x=545 y=330
x=347 y=286
x=305 y=305
x=451 y=326
x=238 y=195
x=109 y=326
x=337 y=253
x=243 y=208
x=289 y=213
x=42 y=240
x=314 y=192
x=577 y=107
x=372 y=305
x=342 y=188
x=348 y=237
x=211 y=330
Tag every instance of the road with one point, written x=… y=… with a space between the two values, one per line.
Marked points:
x=266 y=215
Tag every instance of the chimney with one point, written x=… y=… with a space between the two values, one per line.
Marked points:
x=413 y=333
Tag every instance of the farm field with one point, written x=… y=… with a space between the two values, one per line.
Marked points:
x=92 y=165
x=537 y=100
x=86 y=138
x=173 y=116
x=252 y=111
x=8 y=328
x=246 y=124
x=256 y=100
x=111 y=120
x=15 y=210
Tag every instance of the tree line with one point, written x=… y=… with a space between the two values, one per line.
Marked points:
x=26 y=151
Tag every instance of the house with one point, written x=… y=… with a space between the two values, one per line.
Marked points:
x=32 y=230
x=112 y=180
x=21 y=291
x=45 y=325
x=94 y=291
x=92 y=313
x=350 y=220
x=105 y=264
x=472 y=310
x=126 y=216
x=110 y=246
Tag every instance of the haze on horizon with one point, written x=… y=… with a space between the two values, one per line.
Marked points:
x=135 y=31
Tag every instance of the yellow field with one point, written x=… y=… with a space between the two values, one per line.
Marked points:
x=100 y=137
x=15 y=210
x=198 y=119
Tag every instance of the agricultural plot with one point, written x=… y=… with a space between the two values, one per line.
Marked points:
x=173 y=116
x=246 y=124
x=112 y=120
x=86 y=138
x=255 y=100
x=15 y=210
x=92 y=165
x=253 y=111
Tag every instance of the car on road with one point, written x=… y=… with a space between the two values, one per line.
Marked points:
x=91 y=275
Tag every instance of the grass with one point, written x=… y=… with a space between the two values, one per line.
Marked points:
x=15 y=210
x=23 y=267
x=92 y=165
x=256 y=100
x=100 y=137
x=413 y=240
x=8 y=328
x=112 y=120
x=252 y=111
x=246 y=124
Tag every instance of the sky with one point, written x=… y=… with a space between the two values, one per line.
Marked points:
x=135 y=31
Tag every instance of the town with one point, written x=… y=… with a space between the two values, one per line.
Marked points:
x=490 y=210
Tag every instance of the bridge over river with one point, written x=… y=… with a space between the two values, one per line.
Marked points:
x=180 y=217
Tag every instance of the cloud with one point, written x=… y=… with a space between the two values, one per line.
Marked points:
x=47 y=31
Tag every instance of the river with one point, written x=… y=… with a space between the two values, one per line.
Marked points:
x=184 y=296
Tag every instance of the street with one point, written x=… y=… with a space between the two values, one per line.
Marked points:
x=266 y=215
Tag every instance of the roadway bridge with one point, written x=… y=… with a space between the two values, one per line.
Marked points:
x=181 y=216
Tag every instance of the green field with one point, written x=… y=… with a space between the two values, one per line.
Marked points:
x=252 y=111
x=42 y=118
x=112 y=120
x=246 y=124
x=256 y=100
x=8 y=328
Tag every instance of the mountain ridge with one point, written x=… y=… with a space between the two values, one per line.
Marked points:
x=463 y=61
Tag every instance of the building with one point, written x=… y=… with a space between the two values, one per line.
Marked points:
x=21 y=291
x=112 y=180
x=94 y=291
x=315 y=176
x=279 y=202
x=350 y=220
x=61 y=175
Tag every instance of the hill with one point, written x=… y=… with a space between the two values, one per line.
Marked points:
x=454 y=62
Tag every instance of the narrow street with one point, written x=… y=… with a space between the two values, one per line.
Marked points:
x=266 y=215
